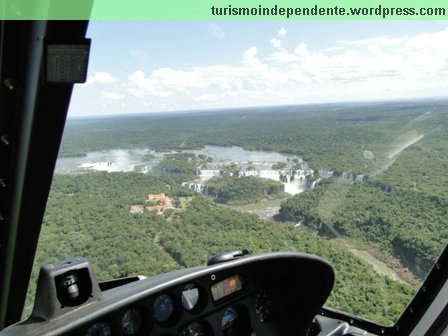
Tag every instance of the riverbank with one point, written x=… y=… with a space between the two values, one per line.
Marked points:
x=381 y=263
x=265 y=209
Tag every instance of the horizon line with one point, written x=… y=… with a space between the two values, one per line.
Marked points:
x=219 y=109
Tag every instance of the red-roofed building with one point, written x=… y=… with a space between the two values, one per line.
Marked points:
x=157 y=202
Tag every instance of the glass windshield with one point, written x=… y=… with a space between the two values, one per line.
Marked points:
x=194 y=138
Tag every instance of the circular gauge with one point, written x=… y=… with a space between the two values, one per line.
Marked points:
x=264 y=306
x=99 y=329
x=196 y=329
x=190 y=297
x=236 y=321
x=229 y=321
x=163 y=308
x=132 y=321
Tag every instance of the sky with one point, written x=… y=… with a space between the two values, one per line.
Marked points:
x=158 y=66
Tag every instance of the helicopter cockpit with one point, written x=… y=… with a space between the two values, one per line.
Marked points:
x=236 y=293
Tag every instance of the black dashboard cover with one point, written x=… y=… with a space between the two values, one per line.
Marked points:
x=302 y=284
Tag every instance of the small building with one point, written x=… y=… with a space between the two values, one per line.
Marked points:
x=161 y=199
x=160 y=203
x=136 y=209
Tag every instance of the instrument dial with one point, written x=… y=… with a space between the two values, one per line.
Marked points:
x=195 y=329
x=132 y=321
x=229 y=321
x=163 y=308
x=264 y=306
x=190 y=297
x=99 y=329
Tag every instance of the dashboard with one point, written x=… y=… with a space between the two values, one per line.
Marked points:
x=268 y=294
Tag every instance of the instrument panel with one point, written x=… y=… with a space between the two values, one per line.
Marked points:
x=194 y=308
x=269 y=294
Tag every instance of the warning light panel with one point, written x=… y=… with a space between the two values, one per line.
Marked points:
x=226 y=287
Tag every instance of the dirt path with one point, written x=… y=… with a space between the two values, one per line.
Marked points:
x=156 y=241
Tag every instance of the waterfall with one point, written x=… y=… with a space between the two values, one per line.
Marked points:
x=197 y=187
x=325 y=173
x=314 y=184
x=294 y=180
x=270 y=174
x=248 y=173
x=207 y=174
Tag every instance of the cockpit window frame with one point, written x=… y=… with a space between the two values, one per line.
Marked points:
x=39 y=112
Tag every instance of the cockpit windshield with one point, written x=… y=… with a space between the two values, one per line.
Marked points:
x=193 y=138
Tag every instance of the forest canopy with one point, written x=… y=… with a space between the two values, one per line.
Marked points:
x=88 y=214
x=243 y=190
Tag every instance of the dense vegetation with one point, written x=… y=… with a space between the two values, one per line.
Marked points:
x=243 y=190
x=407 y=224
x=326 y=136
x=182 y=166
x=88 y=214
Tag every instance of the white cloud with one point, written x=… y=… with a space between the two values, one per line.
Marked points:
x=142 y=85
x=101 y=78
x=178 y=79
x=250 y=53
x=377 y=67
x=282 y=57
x=302 y=50
x=282 y=32
x=384 y=41
x=368 y=69
x=336 y=48
x=374 y=49
x=206 y=98
x=427 y=53
x=135 y=92
x=112 y=95
x=276 y=43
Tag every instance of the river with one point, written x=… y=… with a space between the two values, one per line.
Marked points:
x=128 y=159
x=253 y=163
x=265 y=209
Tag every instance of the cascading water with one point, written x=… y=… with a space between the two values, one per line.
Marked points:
x=206 y=174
